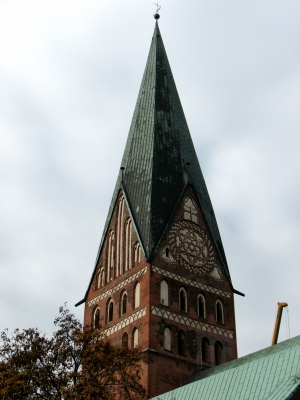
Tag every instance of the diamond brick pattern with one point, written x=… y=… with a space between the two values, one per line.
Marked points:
x=191 y=322
x=117 y=287
x=125 y=322
x=191 y=283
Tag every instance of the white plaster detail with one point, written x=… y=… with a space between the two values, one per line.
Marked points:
x=118 y=286
x=191 y=283
x=125 y=322
x=128 y=262
x=137 y=295
x=191 y=322
x=215 y=273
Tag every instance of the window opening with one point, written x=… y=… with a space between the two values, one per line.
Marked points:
x=97 y=318
x=124 y=303
x=164 y=293
x=125 y=340
x=219 y=312
x=218 y=353
x=167 y=339
x=201 y=306
x=135 y=337
x=205 y=350
x=110 y=311
x=182 y=300
x=137 y=290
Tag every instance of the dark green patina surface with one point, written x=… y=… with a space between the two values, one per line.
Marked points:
x=158 y=147
x=269 y=374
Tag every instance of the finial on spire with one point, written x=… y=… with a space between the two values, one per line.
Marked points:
x=158 y=7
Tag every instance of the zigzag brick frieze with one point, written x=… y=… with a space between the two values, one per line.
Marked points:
x=189 y=282
x=125 y=322
x=191 y=322
x=117 y=286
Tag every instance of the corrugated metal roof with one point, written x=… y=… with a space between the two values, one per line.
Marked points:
x=272 y=373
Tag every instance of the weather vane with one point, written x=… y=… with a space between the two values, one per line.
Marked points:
x=158 y=7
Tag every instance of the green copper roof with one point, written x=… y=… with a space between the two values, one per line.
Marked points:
x=158 y=147
x=272 y=373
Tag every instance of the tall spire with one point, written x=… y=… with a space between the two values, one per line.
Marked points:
x=158 y=149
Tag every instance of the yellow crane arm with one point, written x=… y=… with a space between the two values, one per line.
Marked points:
x=277 y=322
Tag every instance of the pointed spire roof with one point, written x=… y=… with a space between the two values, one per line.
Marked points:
x=158 y=147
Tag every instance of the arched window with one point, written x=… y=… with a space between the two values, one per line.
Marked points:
x=137 y=253
x=167 y=339
x=218 y=353
x=182 y=300
x=205 y=350
x=110 y=310
x=135 y=337
x=190 y=211
x=137 y=292
x=128 y=245
x=120 y=225
x=201 y=306
x=181 y=343
x=96 y=318
x=219 y=312
x=125 y=340
x=110 y=261
x=164 y=293
x=123 y=303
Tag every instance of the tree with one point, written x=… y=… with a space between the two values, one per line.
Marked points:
x=75 y=363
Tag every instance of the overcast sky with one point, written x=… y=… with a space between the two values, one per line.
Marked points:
x=70 y=72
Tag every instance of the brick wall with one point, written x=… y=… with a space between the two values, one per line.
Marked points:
x=175 y=263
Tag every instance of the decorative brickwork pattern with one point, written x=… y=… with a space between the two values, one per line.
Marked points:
x=125 y=322
x=117 y=287
x=191 y=322
x=189 y=282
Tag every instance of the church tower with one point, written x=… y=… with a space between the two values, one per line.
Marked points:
x=161 y=279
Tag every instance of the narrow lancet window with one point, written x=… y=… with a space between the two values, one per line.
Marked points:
x=120 y=234
x=125 y=340
x=167 y=339
x=137 y=253
x=219 y=312
x=135 y=336
x=110 y=261
x=123 y=303
x=164 y=293
x=201 y=306
x=218 y=353
x=137 y=290
x=182 y=300
x=205 y=350
x=110 y=311
x=96 y=318
x=128 y=245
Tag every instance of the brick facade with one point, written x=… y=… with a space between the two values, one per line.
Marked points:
x=173 y=332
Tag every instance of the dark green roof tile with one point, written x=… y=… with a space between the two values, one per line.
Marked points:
x=158 y=147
